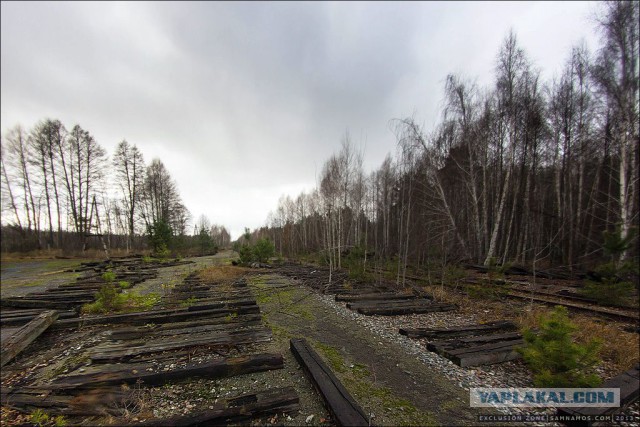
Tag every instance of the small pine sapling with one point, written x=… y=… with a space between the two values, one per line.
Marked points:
x=553 y=356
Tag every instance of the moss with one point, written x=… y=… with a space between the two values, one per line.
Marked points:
x=189 y=301
x=67 y=364
x=283 y=298
x=452 y=405
x=229 y=317
x=358 y=380
x=332 y=355
x=280 y=332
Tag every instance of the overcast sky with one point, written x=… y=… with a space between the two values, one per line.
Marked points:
x=245 y=101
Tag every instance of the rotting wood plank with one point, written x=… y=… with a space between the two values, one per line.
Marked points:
x=155 y=316
x=476 y=340
x=71 y=299
x=629 y=384
x=226 y=304
x=137 y=332
x=186 y=329
x=35 y=303
x=343 y=408
x=24 y=336
x=102 y=354
x=130 y=374
x=494 y=352
x=459 y=348
x=21 y=320
x=374 y=297
x=434 y=307
x=477 y=359
x=486 y=348
x=94 y=402
x=460 y=331
x=418 y=302
x=237 y=410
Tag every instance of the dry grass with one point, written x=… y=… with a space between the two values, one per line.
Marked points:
x=482 y=309
x=620 y=349
x=221 y=273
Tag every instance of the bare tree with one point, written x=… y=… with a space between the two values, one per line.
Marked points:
x=6 y=184
x=84 y=171
x=129 y=168
x=617 y=76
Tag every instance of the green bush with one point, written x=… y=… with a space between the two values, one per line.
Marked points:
x=246 y=254
x=553 y=356
x=263 y=250
x=108 y=276
x=205 y=242
x=108 y=300
x=354 y=262
x=493 y=287
x=614 y=286
x=159 y=235
x=610 y=290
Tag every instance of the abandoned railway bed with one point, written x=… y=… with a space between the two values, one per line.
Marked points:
x=233 y=345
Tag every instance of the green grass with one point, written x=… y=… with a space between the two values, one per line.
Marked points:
x=109 y=301
x=189 y=301
x=283 y=298
x=333 y=356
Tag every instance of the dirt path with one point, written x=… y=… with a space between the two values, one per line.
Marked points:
x=169 y=277
x=21 y=277
x=390 y=384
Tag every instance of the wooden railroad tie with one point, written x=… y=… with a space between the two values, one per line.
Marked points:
x=628 y=382
x=461 y=331
x=117 y=374
x=343 y=408
x=24 y=336
x=480 y=350
x=237 y=410
x=416 y=308
x=126 y=350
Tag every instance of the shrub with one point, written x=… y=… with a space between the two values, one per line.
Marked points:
x=610 y=289
x=263 y=250
x=108 y=300
x=108 y=276
x=493 y=287
x=159 y=234
x=612 y=286
x=205 y=242
x=246 y=254
x=553 y=356
x=354 y=262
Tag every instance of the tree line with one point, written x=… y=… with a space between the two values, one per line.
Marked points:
x=522 y=171
x=61 y=191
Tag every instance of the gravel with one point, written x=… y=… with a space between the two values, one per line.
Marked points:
x=508 y=374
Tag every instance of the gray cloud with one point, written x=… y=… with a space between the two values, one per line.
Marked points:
x=243 y=101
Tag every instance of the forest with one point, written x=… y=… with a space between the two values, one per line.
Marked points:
x=60 y=191
x=525 y=171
